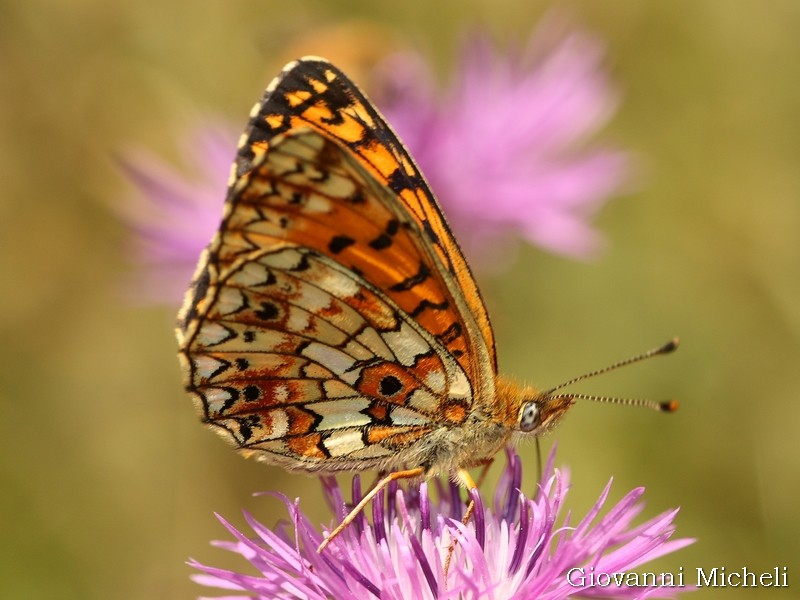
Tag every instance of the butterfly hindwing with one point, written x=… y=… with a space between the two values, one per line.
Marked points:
x=290 y=349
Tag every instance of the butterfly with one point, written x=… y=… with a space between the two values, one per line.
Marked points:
x=333 y=323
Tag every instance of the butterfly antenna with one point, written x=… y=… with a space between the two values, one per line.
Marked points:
x=668 y=406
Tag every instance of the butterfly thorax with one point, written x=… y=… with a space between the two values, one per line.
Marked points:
x=490 y=425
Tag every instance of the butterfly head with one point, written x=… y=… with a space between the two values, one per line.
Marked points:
x=540 y=413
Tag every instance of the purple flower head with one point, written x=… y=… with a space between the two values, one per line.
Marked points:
x=504 y=152
x=519 y=548
x=175 y=215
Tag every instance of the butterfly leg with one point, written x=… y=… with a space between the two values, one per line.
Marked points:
x=407 y=474
x=485 y=465
x=465 y=479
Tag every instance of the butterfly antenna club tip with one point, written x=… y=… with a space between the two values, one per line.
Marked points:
x=670 y=346
x=669 y=406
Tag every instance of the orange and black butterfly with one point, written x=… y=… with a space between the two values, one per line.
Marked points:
x=333 y=322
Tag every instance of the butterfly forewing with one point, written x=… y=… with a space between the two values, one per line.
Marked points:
x=313 y=93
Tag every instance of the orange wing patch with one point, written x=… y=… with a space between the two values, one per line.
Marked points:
x=314 y=93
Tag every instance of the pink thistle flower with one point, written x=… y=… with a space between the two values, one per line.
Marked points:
x=518 y=549
x=505 y=149
x=504 y=152
x=174 y=216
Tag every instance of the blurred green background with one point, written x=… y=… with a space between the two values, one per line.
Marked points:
x=109 y=483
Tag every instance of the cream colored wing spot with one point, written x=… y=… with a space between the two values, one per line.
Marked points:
x=343 y=443
x=214 y=334
x=403 y=416
x=436 y=381
x=372 y=340
x=251 y=275
x=205 y=367
x=276 y=426
x=217 y=399
x=338 y=362
x=423 y=401
x=459 y=386
x=338 y=414
x=287 y=259
x=336 y=389
x=230 y=301
x=406 y=344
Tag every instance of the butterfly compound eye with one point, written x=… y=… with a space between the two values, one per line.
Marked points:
x=529 y=417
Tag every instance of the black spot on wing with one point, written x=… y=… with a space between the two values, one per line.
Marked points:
x=267 y=312
x=270 y=280
x=381 y=242
x=451 y=333
x=251 y=393
x=302 y=265
x=246 y=425
x=413 y=281
x=384 y=240
x=432 y=236
x=400 y=181
x=390 y=385
x=426 y=304
x=357 y=197
x=339 y=243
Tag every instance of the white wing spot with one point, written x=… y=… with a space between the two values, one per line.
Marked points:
x=230 y=300
x=204 y=366
x=424 y=401
x=284 y=259
x=279 y=424
x=459 y=387
x=212 y=333
x=280 y=394
x=337 y=414
x=370 y=338
x=298 y=321
x=435 y=380
x=250 y=275
x=358 y=351
x=216 y=399
x=336 y=389
x=334 y=360
x=342 y=443
x=403 y=416
x=406 y=344
x=334 y=281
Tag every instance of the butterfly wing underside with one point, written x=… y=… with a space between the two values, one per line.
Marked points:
x=332 y=322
